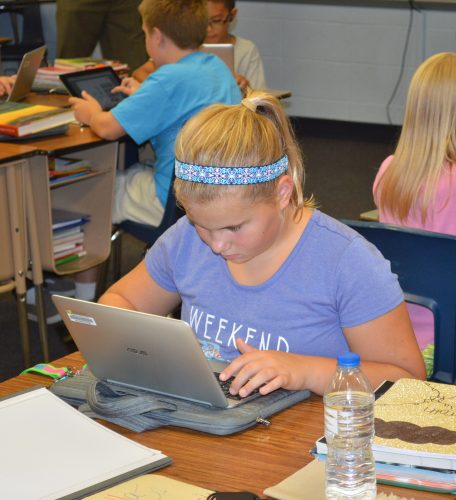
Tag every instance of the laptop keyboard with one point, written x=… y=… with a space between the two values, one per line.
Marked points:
x=225 y=386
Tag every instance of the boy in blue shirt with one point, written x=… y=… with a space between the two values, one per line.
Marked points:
x=185 y=82
x=248 y=64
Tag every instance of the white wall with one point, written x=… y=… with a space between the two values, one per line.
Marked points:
x=342 y=62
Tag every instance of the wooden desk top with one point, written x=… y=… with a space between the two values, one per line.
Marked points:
x=10 y=151
x=76 y=137
x=251 y=460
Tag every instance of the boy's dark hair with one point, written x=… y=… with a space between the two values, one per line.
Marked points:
x=229 y=4
x=183 y=21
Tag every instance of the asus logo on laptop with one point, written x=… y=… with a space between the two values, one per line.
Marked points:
x=137 y=351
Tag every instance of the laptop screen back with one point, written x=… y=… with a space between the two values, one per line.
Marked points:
x=223 y=50
x=141 y=350
x=26 y=74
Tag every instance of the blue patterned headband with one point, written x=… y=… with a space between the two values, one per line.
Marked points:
x=230 y=175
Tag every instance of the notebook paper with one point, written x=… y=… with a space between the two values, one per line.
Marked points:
x=50 y=450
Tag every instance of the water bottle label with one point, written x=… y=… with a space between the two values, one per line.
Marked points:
x=331 y=420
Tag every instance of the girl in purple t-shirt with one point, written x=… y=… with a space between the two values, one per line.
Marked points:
x=245 y=241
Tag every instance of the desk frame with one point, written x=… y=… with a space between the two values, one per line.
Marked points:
x=23 y=230
x=26 y=174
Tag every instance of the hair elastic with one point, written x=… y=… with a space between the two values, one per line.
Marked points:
x=249 y=104
x=230 y=175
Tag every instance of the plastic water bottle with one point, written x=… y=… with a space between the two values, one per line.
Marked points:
x=349 y=431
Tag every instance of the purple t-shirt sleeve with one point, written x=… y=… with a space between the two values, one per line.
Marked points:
x=159 y=258
x=366 y=288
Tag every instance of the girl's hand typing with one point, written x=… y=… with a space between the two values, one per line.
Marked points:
x=263 y=370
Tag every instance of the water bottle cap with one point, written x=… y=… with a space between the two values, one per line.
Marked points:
x=348 y=360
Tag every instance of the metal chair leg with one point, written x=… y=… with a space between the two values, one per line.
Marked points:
x=37 y=271
x=42 y=326
x=116 y=245
x=102 y=278
x=116 y=258
x=23 y=328
x=18 y=244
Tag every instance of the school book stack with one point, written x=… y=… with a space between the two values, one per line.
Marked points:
x=64 y=168
x=48 y=78
x=81 y=63
x=415 y=435
x=19 y=119
x=67 y=235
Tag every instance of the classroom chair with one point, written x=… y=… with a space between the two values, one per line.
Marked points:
x=143 y=232
x=425 y=263
x=27 y=30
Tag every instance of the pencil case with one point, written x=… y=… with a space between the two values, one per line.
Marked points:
x=139 y=410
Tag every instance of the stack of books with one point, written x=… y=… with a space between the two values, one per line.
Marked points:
x=48 y=78
x=65 y=168
x=67 y=235
x=19 y=119
x=415 y=435
x=82 y=63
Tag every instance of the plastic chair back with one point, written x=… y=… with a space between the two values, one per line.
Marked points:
x=32 y=31
x=425 y=263
x=149 y=234
x=143 y=232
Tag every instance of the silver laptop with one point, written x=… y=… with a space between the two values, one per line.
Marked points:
x=144 y=351
x=26 y=73
x=223 y=50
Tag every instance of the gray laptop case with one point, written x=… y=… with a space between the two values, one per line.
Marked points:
x=143 y=351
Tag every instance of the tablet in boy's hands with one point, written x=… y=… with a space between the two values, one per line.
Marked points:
x=97 y=82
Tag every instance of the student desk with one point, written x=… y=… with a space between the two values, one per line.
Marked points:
x=13 y=244
x=91 y=195
x=251 y=460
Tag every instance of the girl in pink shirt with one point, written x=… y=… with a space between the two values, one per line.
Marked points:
x=417 y=186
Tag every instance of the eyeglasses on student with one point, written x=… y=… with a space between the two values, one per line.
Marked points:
x=217 y=23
